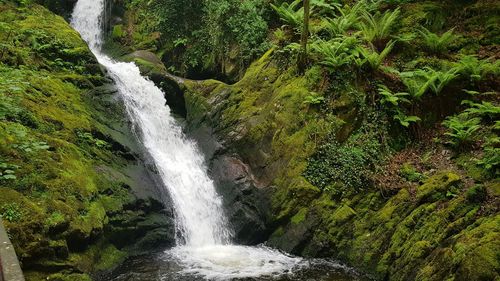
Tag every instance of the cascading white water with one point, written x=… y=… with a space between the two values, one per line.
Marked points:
x=199 y=213
x=205 y=246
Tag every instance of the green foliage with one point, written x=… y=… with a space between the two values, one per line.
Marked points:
x=11 y=212
x=31 y=146
x=336 y=52
x=437 y=44
x=476 y=194
x=291 y=13
x=440 y=78
x=490 y=160
x=409 y=172
x=462 y=130
x=477 y=69
x=377 y=28
x=313 y=99
x=90 y=139
x=420 y=81
x=373 y=58
x=391 y=99
x=486 y=110
x=393 y=102
x=405 y=120
x=345 y=168
x=7 y=171
x=346 y=19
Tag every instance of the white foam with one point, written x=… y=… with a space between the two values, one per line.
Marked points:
x=224 y=262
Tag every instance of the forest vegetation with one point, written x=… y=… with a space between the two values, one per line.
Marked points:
x=373 y=126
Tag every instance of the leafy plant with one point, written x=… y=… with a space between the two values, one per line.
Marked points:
x=390 y=98
x=419 y=81
x=337 y=52
x=11 y=212
x=291 y=13
x=378 y=27
x=491 y=156
x=373 y=58
x=90 y=139
x=441 y=79
x=8 y=171
x=314 y=98
x=346 y=19
x=484 y=109
x=462 y=130
x=435 y=43
x=393 y=102
x=405 y=120
x=345 y=168
x=475 y=68
x=411 y=174
x=29 y=146
x=280 y=36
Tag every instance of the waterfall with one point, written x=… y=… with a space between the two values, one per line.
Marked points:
x=203 y=246
x=199 y=214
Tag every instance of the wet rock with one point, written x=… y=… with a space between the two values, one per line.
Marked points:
x=245 y=204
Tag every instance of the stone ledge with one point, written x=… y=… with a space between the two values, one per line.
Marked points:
x=9 y=264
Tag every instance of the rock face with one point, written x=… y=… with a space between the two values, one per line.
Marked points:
x=259 y=134
x=80 y=198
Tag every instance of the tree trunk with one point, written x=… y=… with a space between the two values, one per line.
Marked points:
x=302 y=62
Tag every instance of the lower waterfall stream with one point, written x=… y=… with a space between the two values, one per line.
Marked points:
x=204 y=249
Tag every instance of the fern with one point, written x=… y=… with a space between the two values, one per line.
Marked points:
x=462 y=129
x=388 y=97
x=441 y=79
x=373 y=58
x=417 y=82
x=392 y=101
x=435 y=43
x=377 y=28
x=290 y=13
x=336 y=53
x=420 y=81
x=491 y=156
x=477 y=69
x=346 y=19
x=484 y=109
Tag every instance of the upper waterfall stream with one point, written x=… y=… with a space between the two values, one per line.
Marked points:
x=204 y=246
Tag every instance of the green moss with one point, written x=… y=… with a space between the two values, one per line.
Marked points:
x=342 y=214
x=436 y=186
x=110 y=257
x=118 y=31
x=299 y=217
x=64 y=185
